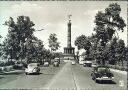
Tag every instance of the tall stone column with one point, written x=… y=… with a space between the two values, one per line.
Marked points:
x=69 y=34
x=69 y=50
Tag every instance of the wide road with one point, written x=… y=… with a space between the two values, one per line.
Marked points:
x=18 y=79
x=77 y=77
x=67 y=76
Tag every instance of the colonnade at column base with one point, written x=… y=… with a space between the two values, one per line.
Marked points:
x=69 y=53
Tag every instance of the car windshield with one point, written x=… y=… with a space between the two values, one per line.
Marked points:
x=33 y=65
x=56 y=58
x=102 y=69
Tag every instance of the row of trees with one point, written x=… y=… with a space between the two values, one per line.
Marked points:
x=104 y=45
x=21 y=44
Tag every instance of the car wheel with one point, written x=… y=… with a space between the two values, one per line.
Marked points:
x=95 y=80
x=92 y=78
x=91 y=74
x=26 y=73
x=38 y=73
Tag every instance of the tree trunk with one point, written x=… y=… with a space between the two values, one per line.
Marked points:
x=122 y=63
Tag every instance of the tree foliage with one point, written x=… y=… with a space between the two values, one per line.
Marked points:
x=83 y=42
x=53 y=42
x=107 y=24
x=120 y=51
x=20 y=42
x=112 y=51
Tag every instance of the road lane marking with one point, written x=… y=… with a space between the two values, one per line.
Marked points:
x=74 y=78
x=63 y=80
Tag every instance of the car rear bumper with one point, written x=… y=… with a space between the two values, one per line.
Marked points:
x=105 y=78
x=73 y=63
x=32 y=72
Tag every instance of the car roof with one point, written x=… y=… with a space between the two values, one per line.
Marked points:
x=33 y=64
x=100 y=67
x=57 y=58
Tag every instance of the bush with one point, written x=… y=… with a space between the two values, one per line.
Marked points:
x=118 y=67
x=9 y=63
x=8 y=68
x=17 y=67
x=1 y=69
x=2 y=64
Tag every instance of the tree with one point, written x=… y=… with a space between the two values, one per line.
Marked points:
x=108 y=23
x=120 y=51
x=20 y=42
x=34 y=50
x=53 y=42
x=82 y=42
x=93 y=48
x=0 y=46
x=126 y=53
x=112 y=51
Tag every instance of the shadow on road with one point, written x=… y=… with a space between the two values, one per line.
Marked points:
x=106 y=82
x=1 y=77
x=48 y=74
x=11 y=73
x=35 y=74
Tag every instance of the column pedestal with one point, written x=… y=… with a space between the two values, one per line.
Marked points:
x=69 y=53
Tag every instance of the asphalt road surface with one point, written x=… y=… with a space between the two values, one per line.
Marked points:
x=18 y=79
x=67 y=76
x=77 y=77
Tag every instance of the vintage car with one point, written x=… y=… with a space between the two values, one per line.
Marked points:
x=101 y=73
x=81 y=62
x=32 y=68
x=56 y=63
x=57 y=59
x=87 y=63
x=94 y=65
x=46 y=64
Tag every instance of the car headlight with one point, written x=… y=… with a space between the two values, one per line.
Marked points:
x=112 y=77
x=34 y=70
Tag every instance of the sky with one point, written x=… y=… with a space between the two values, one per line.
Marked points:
x=52 y=16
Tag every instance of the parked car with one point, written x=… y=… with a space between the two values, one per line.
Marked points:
x=18 y=65
x=32 y=68
x=56 y=63
x=101 y=73
x=57 y=59
x=94 y=65
x=87 y=63
x=46 y=64
x=81 y=62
